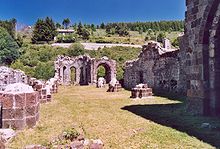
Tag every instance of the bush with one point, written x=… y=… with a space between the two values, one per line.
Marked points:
x=44 y=70
x=76 y=49
x=176 y=43
x=38 y=61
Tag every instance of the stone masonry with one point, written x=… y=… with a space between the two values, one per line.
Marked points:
x=200 y=47
x=158 y=67
x=20 y=109
x=85 y=69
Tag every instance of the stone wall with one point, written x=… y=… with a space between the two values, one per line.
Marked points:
x=158 y=67
x=19 y=109
x=10 y=76
x=200 y=44
x=85 y=69
x=20 y=98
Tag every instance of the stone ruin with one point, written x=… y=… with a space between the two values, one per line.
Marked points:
x=200 y=46
x=141 y=91
x=10 y=76
x=114 y=86
x=20 y=96
x=20 y=106
x=82 y=70
x=158 y=67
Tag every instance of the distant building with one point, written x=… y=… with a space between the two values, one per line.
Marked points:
x=64 y=32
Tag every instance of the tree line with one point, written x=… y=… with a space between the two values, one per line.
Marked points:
x=10 y=26
x=145 y=26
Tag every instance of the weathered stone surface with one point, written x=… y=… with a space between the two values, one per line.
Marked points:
x=158 y=67
x=19 y=110
x=10 y=76
x=83 y=69
x=199 y=46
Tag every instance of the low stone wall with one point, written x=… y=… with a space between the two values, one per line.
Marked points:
x=19 y=110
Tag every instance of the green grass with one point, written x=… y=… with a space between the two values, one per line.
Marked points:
x=135 y=37
x=119 y=121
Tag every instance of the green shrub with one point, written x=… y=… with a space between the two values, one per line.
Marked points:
x=76 y=49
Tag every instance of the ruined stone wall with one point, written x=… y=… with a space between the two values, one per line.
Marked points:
x=200 y=44
x=85 y=69
x=19 y=109
x=156 y=66
x=10 y=76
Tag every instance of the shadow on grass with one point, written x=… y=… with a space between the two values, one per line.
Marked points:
x=174 y=116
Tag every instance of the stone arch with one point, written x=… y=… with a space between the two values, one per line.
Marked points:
x=209 y=39
x=108 y=71
x=73 y=74
x=86 y=69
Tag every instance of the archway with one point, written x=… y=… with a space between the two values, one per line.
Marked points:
x=73 y=75
x=217 y=70
x=64 y=74
x=104 y=70
x=211 y=62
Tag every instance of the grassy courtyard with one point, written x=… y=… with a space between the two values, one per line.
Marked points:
x=120 y=122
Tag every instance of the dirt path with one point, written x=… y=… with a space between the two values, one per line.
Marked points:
x=95 y=46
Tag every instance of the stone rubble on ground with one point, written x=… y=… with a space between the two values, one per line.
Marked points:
x=7 y=134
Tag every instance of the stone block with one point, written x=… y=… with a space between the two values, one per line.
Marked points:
x=49 y=98
x=31 y=99
x=15 y=124
x=7 y=114
x=31 y=121
x=30 y=111
x=20 y=100
x=7 y=101
x=18 y=113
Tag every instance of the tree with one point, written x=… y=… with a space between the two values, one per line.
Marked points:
x=58 y=25
x=102 y=26
x=93 y=27
x=8 y=48
x=161 y=37
x=9 y=26
x=19 y=40
x=44 y=30
x=85 y=34
x=80 y=29
x=66 y=22
x=44 y=71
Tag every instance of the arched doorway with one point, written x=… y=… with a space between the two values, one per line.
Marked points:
x=64 y=74
x=104 y=70
x=73 y=75
x=217 y=70
x=211 y=60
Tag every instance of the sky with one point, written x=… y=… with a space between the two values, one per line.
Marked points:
x=92 y=11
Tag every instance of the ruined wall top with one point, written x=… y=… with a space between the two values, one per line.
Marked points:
x=152 y=51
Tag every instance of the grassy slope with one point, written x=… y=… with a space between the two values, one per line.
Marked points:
x=135 y=37
x=105 y=115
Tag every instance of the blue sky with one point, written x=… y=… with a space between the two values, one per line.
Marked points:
x=92 y=11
